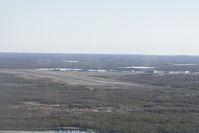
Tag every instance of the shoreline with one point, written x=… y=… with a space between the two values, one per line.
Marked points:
x=49 y=129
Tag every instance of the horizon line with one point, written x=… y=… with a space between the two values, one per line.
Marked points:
x=141 y=54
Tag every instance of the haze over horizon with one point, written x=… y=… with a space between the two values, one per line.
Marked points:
x=100 y=27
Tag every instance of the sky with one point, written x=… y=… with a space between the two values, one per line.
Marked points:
x=158 y=27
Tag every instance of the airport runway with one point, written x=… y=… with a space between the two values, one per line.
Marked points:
x=71 y=78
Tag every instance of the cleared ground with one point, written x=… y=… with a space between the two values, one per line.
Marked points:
x=75 y=78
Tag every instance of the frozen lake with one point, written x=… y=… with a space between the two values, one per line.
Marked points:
x=8 y=84
x=65 y=131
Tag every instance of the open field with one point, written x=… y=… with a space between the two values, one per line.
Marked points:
x=107 y=102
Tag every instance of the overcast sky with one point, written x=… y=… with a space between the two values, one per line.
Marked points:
x=100 y=26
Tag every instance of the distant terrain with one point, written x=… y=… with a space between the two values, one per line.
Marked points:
x=101 y=93
x=97 y=61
